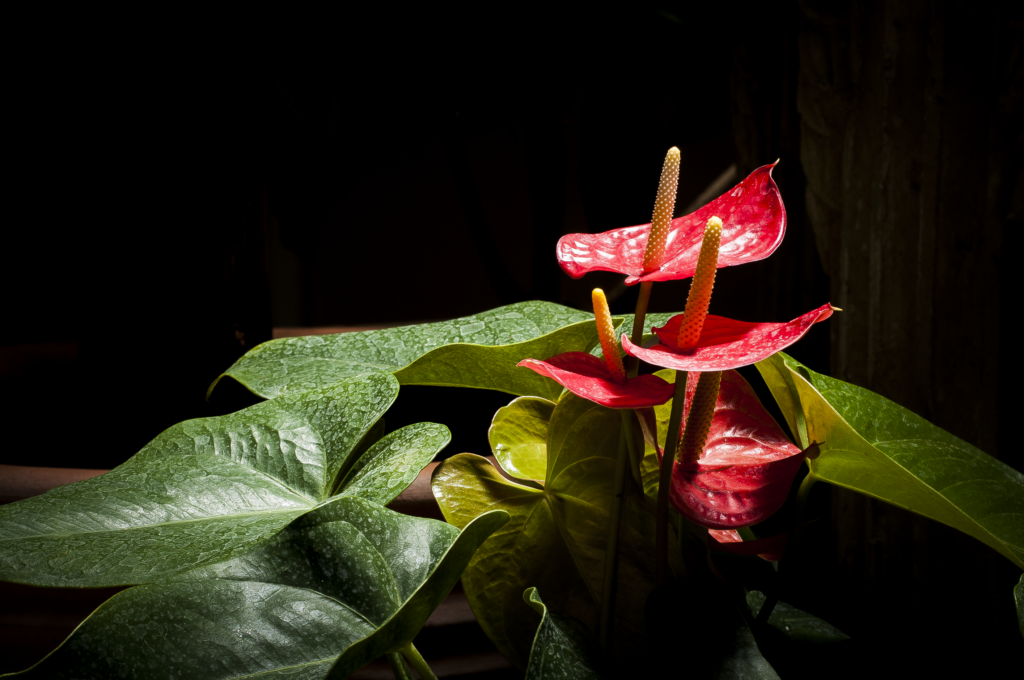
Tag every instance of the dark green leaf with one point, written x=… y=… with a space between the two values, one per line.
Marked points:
x=1018 y=595
x=391 y=465
x=560 y=647
x=518 y=437
x=557 y=537
x=876 y=447
x=475 y=351
x=794 y=623
x=200 y=492
x=340 y=586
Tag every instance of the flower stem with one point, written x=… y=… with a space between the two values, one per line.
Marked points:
x=611 y=555
x=398 y=666
x=675 y=422
x=412 y=655
x=637 y=334
x=632 y=442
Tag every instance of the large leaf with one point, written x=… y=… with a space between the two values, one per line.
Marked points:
x=391 y=464
x=556 y=540
x=794 y=623
x=876 y=447
x=474 y=351
x=343 y=584
x=205 y=490
x=560 y=647
x=518 y=437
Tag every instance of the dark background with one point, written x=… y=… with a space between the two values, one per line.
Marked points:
x=176 y=192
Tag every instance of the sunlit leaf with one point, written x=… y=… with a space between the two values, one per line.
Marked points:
x=340 y=586
x=876 y=447
x=518 y=437
x=475 y=351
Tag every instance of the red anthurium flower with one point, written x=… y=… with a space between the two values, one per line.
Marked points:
x=730 y=541
x=754 y=218
x=724 y=343
x=747 y=466
x=602 y=381
x=587 y=376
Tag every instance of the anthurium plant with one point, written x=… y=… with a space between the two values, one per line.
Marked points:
x=628 y=469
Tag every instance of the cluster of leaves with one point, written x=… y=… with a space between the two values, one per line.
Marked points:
x=260 y=542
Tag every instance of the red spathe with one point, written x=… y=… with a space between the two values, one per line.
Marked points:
x=725 y=343
x=587 y=376
x=748 y=464
x=754 y=220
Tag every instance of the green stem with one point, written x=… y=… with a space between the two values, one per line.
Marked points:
x=398 y=666
x=675 y=422
x=412 y=655
x=632 y=443
x=639 y=316
x=611 y=555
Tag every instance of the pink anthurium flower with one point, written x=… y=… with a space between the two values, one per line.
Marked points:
x=602 y=381
x=724 y=343
x=754 y=218
x=747 y=465
x=730 y=541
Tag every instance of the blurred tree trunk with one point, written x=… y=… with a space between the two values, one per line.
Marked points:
x=910 y=140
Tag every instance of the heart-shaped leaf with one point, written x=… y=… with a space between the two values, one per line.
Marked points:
x=518 y=437
x=475 y=351
x=754 y=219
x=557 y=537
x=876 y=447
x=560 y=647
x=203 y=491
x=340 y=586
x=393 y=462
x=794 y=623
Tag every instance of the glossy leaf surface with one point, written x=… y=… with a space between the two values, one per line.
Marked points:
x=754 y=223
x=560 y=647
x=392 y=463
x=794 y=623
x=876 y=447
x=747 y=467
x=725 y=343
x=208 y=489
x=337 y=588
x=518 y=437
x=557 y=536
x=475 y=351
x=588 y=377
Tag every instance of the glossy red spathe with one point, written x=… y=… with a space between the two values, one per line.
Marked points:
x=725 y=343
x=752 y=212
x=588 y=376
x=747 y=467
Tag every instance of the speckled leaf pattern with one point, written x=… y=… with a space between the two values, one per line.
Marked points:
x=474 y=351
x=560 y=647
x=876 y=447
x=201 y=491
x=518 y=437
x=557 y=536
x=390 y=465
x=794 y=623
x=337 y=588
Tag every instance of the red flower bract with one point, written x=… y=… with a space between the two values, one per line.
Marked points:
x=748 y=463
x=587 y=376
x=754 y=218
x=725 y=343
x=729 y=541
